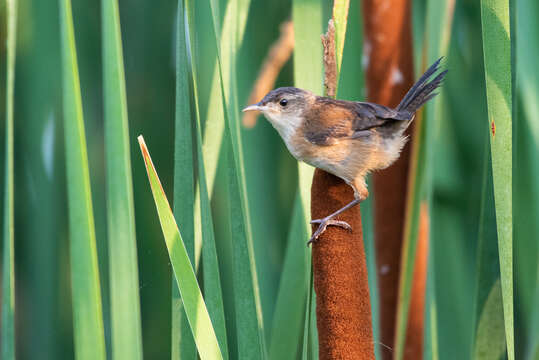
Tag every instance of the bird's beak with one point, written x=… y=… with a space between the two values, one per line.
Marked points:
x=253 y=107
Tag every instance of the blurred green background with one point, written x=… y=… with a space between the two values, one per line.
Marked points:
x=43 y=296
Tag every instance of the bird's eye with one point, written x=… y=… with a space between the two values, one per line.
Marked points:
x=283 y=102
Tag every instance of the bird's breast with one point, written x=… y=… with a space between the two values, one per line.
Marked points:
x=329 y=158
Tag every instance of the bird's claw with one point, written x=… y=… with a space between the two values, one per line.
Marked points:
x=323 y=224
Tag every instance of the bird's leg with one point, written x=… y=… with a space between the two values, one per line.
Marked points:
x=329 y=220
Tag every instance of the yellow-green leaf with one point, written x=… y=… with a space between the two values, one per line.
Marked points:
x=8 y=261
x=193 y=302
x=85 y=284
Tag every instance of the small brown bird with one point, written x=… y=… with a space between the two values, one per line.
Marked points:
x=345 y=138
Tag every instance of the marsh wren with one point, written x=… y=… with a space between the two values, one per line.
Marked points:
x=345 y=138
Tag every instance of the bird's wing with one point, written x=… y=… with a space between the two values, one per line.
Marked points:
x=326 y=122
x=330 y=120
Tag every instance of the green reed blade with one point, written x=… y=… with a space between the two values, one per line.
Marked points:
x=183 y=344
x=123 y=265
x=249 y=322
x=86 y=289
x=193 y=303
x=8 y=261
x=288 y=319
x=489 y=342
x=495 y=19
x=203 y=215
x=308 y=74
x=526 y=168
x=340 y=18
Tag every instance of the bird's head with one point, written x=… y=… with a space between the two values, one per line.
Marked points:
x=284 y=108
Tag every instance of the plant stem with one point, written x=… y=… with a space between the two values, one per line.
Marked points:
x=343 y=307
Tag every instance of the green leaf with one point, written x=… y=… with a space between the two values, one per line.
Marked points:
x=212 y=277
x=247 y=306
x=495 y=19
x=195 y=308
x=431 y=318
x=310 y=316
x=249 y=323
x=214 y=129
x=8 y=262
x=533 y=346
x=124 y=282
x=352 y=87
x=308 y=26
x=183 y=344
x=527 y=49
x=490 y=341
x=308 y=74
x=526 y=171
x=340 y=17
x=85 y=286
x=203 y=215
x=288 y=319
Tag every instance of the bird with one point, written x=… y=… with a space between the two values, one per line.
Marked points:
x=348 y=139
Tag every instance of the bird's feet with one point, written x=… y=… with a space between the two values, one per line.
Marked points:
x=323 y=224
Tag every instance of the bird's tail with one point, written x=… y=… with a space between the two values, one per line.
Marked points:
x=422 y=91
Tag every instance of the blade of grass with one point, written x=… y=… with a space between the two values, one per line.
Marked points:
x=8 y=261
x=439 y=19
x=489 y=342
x=124 y=282
x=249 y=323
x=290 y=305
x=212 y=277
x=308 y=26
x=526 y=229
x=533 y=346
x=184 y=179
x=439 y=22
x=527 y=50
x=213 y=132
x=430 y=350
x=183 y=344
x=526 y=191
x=313 y=329
x=309 y=316
x=352 y=87
x=248 y=312
x=195 y=308
x=308 y=74
x=340 y=18
x=86 y=289
x=495 y=19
